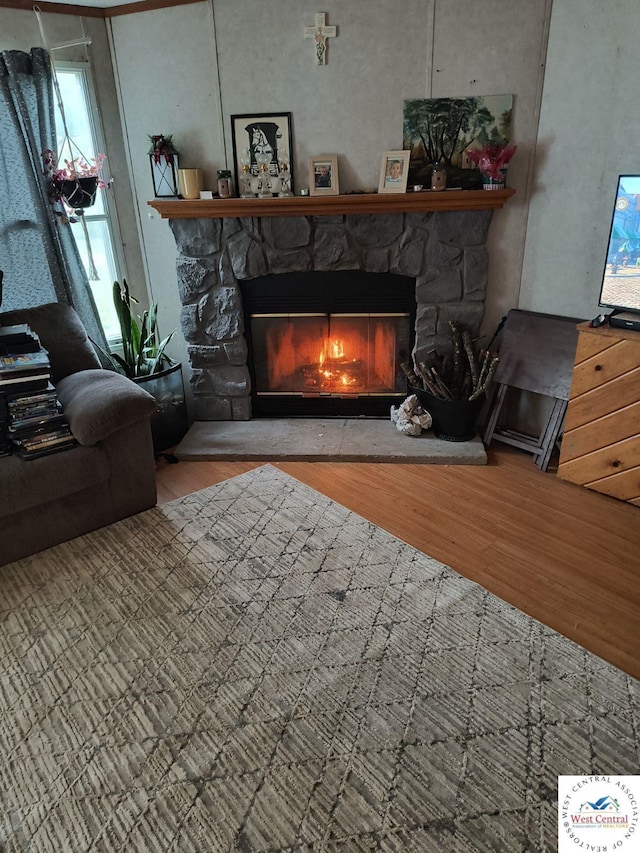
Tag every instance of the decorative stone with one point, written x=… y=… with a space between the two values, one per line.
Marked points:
x=442 y=285
x=332 y=250
x=409 y=258
x=419 y=220
x=200 y=383
x=282 y=262
x=221 y=314
x=230 y=381
x=247 y=256
x=426 y=319
x=206 y=356
x=194 y=279
x=462 y=227
x=467 y=313
x=377 y=260
x=231 y=226
x=241 y=409
x=442 y=254
x=190 y=322
x=196 y=238
x=212 y=408
x=287 y=232
x=375 y=230
x=236 y=351
x=475 y=273
x=225 y=271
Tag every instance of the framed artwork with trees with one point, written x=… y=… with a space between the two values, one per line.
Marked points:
x=442 y=129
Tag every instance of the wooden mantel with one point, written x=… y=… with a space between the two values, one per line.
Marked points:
x=353 y=203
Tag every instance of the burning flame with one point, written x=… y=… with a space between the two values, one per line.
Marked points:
x=331 y=349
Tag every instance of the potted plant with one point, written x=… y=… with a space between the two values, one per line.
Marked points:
x=492 y=160
x=452 y=387
x=145 y=361
x=76 y=183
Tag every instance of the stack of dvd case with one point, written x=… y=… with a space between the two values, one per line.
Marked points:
x=34 y=424
x=5 y=444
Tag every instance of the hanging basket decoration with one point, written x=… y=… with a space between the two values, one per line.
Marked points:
x=73 y=189
x=80 y=193
x=77 y=183
x=164 y=166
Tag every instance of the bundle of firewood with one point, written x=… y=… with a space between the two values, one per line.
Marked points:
x=465 y=374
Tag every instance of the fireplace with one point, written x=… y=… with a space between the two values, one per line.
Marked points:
x=432 y=266
x=328 y=343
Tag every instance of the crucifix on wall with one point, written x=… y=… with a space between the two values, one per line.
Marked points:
x=320 y=33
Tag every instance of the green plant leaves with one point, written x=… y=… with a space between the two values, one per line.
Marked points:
x=141 y=353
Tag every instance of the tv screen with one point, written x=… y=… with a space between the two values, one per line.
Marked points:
x=621 y=279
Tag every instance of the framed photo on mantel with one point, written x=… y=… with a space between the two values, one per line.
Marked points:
x=394 y=171
x=258 y=136
x=323 y=175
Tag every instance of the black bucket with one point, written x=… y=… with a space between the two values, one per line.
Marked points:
x=453 y=420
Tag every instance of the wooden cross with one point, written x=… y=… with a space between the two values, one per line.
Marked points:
x=320 y=33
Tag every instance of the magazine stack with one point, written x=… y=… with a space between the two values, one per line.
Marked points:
x=34 y=422
x=5 y=444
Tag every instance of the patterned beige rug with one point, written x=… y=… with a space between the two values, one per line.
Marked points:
x=256 y=668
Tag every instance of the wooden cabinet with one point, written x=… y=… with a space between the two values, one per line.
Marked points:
x=601 y=443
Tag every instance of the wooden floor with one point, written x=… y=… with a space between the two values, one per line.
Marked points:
x=565 y=555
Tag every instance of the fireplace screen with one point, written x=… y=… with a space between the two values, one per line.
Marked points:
x=328 y=343
x=343 y=355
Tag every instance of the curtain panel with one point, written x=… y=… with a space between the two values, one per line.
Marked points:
x=38 y=253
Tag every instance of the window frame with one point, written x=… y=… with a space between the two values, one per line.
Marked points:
x=110 y=215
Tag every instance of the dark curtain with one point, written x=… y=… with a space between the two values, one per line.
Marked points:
x=38 y=253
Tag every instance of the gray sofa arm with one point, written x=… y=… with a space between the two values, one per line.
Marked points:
x=97 y=403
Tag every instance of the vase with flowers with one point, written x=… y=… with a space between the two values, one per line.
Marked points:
x=76 y=183
x=492 y=160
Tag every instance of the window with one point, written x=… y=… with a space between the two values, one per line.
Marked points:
x=77 y=95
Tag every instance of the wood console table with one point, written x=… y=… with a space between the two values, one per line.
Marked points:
x=601 y=444
x=352 y=203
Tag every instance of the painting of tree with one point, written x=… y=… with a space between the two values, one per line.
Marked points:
x=442 y=129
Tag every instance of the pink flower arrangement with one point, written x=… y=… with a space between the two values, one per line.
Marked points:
x=492 y=159
x=74 y=169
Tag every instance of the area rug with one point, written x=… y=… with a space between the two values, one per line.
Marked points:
x=256 y=668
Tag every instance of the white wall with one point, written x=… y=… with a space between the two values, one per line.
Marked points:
x=163 y=88
x=497 y=48
x=589 y=132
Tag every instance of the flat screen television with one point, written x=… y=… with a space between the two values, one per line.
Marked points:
x=621 y=278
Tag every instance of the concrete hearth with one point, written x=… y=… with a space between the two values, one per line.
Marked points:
x=315 y=439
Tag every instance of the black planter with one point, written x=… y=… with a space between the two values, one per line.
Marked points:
x=453 y=420
x=79 y=193
x=169 y=425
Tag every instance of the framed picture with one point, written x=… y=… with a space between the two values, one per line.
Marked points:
x=256 y=136
x=394 y=172
x=323 y=175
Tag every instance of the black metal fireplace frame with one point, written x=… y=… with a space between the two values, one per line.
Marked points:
x=333 y=292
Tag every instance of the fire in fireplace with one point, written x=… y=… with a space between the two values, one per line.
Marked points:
x=315 y=351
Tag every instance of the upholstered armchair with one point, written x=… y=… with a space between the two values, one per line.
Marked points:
x=108 y=475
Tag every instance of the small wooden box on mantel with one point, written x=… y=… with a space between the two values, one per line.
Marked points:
x=601 y=443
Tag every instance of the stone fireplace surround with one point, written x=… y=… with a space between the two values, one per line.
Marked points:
x=445 y=251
